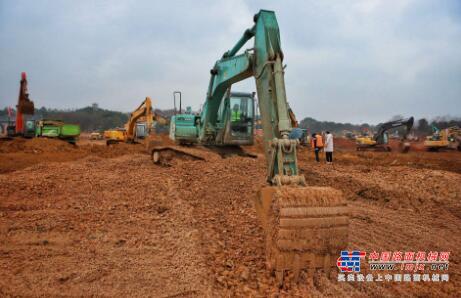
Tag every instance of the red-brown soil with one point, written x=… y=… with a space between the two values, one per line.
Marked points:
x=93 y=220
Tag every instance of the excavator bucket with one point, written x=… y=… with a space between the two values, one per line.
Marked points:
x=305 y=228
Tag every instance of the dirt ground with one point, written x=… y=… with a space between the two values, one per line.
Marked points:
x=94 y=220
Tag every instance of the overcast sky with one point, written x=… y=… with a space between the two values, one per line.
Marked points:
x=354 y=61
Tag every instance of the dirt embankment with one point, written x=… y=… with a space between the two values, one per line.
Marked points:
x=20 y=153
x=97 y=226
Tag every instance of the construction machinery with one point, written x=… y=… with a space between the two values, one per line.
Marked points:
x=380 y=140
x=305 y=227
x=57 y=129
x=23 y=126
x=448 y=138
x=95 y=135
x=116 y=135
x=138 y=126
x=232 y=124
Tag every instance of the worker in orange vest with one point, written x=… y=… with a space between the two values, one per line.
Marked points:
x=317 y=145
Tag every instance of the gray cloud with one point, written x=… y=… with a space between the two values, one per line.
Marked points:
x=347 y=60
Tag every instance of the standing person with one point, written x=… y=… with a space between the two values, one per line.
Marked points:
x=315 y=146
x=329 y=148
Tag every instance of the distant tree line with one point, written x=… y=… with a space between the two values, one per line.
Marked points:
x=89 y=118
x=421 y=127
x=93 y=118
x=318 y=126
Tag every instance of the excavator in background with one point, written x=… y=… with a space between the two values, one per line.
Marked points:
x=30 y=128
x=233 y=124
x=305 y=227
x=448 y=138
x=24 y=127
x=138 y=126
x=129 y=134
x=380 y=140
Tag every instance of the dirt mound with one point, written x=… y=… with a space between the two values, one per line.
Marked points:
x=35 y=145
x=258 y=145
x=106 y=226
x=114 y=150
x=20 y=153
x=344 y=144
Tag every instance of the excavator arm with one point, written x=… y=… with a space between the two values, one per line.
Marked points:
x=305 y=227
x=264 y=63
x=408 y=123
x=25 y=105
x=294 y=122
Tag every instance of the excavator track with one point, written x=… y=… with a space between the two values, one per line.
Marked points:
x=305 y=227
x=168 y=155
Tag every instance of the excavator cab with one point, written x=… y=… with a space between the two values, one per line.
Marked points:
x=142 y=130
x=383 y=139
x=236 y=119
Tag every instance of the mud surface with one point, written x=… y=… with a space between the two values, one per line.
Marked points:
x=107 y=222
x=20 y=153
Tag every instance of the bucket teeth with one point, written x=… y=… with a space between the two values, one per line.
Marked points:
x=306 y=227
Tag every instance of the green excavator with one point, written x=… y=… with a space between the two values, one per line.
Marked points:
x=305 y=227
x=233 y=125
